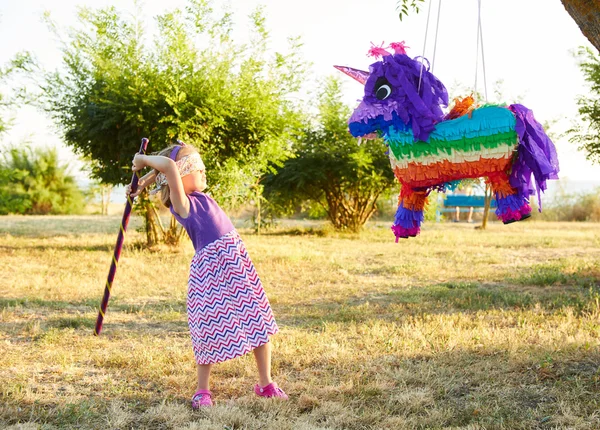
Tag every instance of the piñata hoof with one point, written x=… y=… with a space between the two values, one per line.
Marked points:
x=405 y=233
x=523 y=218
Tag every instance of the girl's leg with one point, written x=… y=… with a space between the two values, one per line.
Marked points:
x=204 y=376
x=202 y=397
x=262 y=354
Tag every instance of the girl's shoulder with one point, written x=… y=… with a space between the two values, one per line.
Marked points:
x=203 y=206
x=204 y=201
x=197 y=195
x=199 y=204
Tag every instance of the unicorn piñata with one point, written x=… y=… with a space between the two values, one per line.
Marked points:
x=429 y=150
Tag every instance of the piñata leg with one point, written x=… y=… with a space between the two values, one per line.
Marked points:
x=512 y=205
x=409 y=215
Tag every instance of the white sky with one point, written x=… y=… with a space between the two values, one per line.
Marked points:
x=528 y=44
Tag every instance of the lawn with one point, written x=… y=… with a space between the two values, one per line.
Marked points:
x=457 y=328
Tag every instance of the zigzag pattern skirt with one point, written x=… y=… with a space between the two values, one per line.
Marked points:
x=228 y=311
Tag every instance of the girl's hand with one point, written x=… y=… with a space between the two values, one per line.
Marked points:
x=133 y=195
x=139 y=162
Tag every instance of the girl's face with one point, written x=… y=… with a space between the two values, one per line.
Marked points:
x=195 y=181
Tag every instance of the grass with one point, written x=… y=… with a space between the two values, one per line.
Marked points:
x=457 y=329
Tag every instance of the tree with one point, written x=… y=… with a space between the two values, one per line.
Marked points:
x=99 y=192
x=585 y=13
x=21 y=64
x=32 y=181
x=587 y=135
x=330 y=168
x=193 y=83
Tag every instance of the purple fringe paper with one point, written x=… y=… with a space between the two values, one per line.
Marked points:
x=407 y=218
x=536 y=155
x=512 y=207
x=401 y=232
x=365 y=111
x=421 y=109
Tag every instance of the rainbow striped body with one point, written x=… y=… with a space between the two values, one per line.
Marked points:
x=467 y=147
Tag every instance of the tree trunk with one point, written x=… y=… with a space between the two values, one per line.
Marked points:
x=152 y=236
x=147 y=211
x=586 y=14
x=154 y=229
x=487 y=202
x=258 y=198
x=173 y=235
x=350 y=212
x=105 y=196
x=108 y=192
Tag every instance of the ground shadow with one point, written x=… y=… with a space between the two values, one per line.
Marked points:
x=58 y=247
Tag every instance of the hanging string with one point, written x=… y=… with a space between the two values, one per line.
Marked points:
x=480 y=39
x=424 y=45
x=437 y=27
x=483 y=55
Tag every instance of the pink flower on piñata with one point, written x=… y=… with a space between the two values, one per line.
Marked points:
x=399 y=47
x=377 y=51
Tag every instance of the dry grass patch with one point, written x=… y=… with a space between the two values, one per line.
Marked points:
x=456 y=329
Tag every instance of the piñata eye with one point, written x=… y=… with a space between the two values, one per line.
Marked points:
x=382 y=89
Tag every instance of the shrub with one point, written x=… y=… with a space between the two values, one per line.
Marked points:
x=32 y=181
x=573 y=207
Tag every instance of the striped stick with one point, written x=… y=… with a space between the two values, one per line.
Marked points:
x=118 y=246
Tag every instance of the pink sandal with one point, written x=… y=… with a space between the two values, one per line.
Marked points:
x=202 y=398
x=271 y=390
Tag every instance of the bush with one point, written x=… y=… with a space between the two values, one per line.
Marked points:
x=33 y=182
x=330 y=171
x=573 y=207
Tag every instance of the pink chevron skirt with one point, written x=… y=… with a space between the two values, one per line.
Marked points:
x=228 y=311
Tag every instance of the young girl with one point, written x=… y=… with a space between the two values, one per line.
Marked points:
x=228 y=312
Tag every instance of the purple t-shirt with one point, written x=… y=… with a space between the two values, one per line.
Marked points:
x=206 y=221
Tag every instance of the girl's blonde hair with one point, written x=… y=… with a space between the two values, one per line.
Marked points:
x=165 y=191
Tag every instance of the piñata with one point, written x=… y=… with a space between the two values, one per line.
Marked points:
x=429 y=149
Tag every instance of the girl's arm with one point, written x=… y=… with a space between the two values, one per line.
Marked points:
x=179 y=200
x=147 y=179
x=143 y=182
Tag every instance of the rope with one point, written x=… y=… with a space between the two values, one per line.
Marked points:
x=437 y=27
x=424 y=45
x=480 y=39
x=483 y=55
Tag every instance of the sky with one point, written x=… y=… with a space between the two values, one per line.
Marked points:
x=529 y=45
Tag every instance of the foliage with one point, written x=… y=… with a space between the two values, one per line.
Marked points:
x=22 y=63
x=34 y=182
x=98 y=193
x=435 y=202
x=403 y=7
x=565 y=206
x=387 y=205
x=331 y=168
x=587 y=135
x=192 y=83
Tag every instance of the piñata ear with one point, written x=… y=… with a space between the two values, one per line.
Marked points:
x=360 y=75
